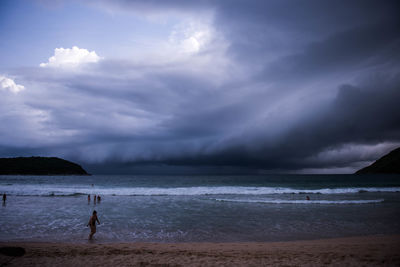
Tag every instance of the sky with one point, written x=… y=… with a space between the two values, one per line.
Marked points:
x=169 y=86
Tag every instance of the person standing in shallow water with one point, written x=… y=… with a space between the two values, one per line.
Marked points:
x=4 y=198
x=92 y=224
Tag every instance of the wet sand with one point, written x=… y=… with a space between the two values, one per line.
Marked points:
x=353 y=251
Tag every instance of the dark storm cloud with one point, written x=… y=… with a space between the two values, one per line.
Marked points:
x=352 y=50
x=299 y=22
x=309 y=85
x=257 y=28
x=360 y=115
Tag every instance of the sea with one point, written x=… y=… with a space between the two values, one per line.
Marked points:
x=199 y=208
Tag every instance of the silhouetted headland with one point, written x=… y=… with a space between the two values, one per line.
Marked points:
x=388 y=164
x=39 y=166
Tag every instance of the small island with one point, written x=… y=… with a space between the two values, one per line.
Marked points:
x=39 y=166
x=388 y=164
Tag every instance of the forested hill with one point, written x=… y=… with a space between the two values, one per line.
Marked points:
x=39 y=166
x=390 y=164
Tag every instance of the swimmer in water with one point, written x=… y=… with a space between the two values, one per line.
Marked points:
x=92 y=224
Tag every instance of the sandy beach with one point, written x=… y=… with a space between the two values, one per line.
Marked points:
x=353 y=251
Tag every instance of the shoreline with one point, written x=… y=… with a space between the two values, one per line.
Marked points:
x=373 y=250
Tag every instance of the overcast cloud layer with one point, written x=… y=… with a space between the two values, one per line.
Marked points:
x=266 y=86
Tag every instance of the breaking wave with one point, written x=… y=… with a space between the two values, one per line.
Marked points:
x=51 y=190
x=283 y=201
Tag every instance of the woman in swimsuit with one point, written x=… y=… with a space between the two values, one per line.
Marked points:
x=92 y=224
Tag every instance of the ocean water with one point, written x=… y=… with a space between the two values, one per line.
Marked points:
x=199 y=208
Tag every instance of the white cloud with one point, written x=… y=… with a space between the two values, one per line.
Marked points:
x=71 y=57
x=10 y=85
x=191 y=37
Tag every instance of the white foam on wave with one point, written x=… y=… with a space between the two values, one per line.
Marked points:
x=283 y=201
x=63 y=190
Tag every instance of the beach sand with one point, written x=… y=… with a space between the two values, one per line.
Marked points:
x=353 y=251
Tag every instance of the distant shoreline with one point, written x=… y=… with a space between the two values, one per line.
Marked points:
x=349 y=251
x=39 y=166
